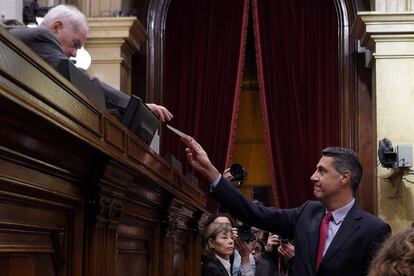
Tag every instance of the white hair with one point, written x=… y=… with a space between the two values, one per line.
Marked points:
x=66 y=13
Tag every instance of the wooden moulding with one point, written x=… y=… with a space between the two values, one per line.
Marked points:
x=28 y=81
x=79 y=193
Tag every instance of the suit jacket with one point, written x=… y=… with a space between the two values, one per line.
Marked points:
x=213 y=267
x=45 y=44
x=349 y=253
x=266 y=265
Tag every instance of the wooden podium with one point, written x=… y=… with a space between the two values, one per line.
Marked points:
x=79 y=193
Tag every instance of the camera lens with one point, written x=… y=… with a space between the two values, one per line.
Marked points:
x=238 y=172
x=245 y=233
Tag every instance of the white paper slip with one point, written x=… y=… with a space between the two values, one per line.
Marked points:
x=176 y=131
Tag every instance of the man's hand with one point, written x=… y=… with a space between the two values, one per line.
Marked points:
x=162 y=113
x=272 y=241
x=199 y=160
x=234 y=233
x=227 y=175
x=244 y=249
x=287 y=250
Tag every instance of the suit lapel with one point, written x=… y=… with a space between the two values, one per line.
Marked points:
x=350 y=224
x=220 y=266
x=313 y=238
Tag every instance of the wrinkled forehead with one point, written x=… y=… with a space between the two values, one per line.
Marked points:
x=76 y=30
x=81 y=34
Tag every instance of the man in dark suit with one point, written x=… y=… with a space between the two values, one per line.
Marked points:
x=62 y=32
x=333 y=236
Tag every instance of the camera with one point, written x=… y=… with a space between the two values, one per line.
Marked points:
x=238 y=172
x=386 y=154
x=284 y=241
x=245 y=233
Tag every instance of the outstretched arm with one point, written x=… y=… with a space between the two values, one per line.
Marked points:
x=280 y=221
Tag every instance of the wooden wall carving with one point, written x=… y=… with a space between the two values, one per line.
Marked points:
x=79 y=193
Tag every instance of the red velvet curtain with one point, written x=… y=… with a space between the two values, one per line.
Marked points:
x=203 y=50
x=297 y=50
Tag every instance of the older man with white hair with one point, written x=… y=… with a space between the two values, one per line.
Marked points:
x=62 y=32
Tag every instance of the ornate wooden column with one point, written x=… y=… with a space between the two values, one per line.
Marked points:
x=168 y=231
x=104 y=208
x=390 y=38
x=112 y=41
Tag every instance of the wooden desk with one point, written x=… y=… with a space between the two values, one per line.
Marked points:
x=79 y=193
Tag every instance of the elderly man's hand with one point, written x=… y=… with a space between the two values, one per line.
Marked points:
x=162 y=113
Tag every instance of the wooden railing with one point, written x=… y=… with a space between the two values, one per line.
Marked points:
x=79 y=193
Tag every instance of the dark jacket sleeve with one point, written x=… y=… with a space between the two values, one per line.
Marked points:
x=378 y=239
x=42 y=42
x=280 y=221
x=114 y=98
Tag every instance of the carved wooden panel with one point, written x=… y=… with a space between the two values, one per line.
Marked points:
x=180 y=255
x=114 y=135
x=38 y=221
x=134 y=247
x=79 y=194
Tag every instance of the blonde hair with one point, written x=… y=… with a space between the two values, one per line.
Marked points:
x=212 y=232
x=396 y=256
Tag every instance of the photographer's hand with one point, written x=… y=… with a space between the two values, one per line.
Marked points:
x=287 y=250
x=244 y=249
x=227 y=175
x=199 y=160
x=272 y=241
x=234 y=233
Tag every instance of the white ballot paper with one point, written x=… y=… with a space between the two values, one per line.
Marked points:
x=176 y=131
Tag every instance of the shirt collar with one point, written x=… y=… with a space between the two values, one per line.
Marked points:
x=339 y=214
x=224 y=262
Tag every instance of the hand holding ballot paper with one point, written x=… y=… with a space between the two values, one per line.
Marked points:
x=197 y=157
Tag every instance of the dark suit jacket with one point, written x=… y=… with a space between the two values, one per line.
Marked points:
x=213 y=267
x=350 y=252
x=48 y=47
x=266 y=265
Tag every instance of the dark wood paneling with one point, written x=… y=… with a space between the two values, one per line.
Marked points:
x=356 y=107
x=156 y=18
x=79 y=193
x=40 y=215
x=366 y=148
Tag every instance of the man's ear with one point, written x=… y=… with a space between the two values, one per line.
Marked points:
x=346 y=177
x=57 y=26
